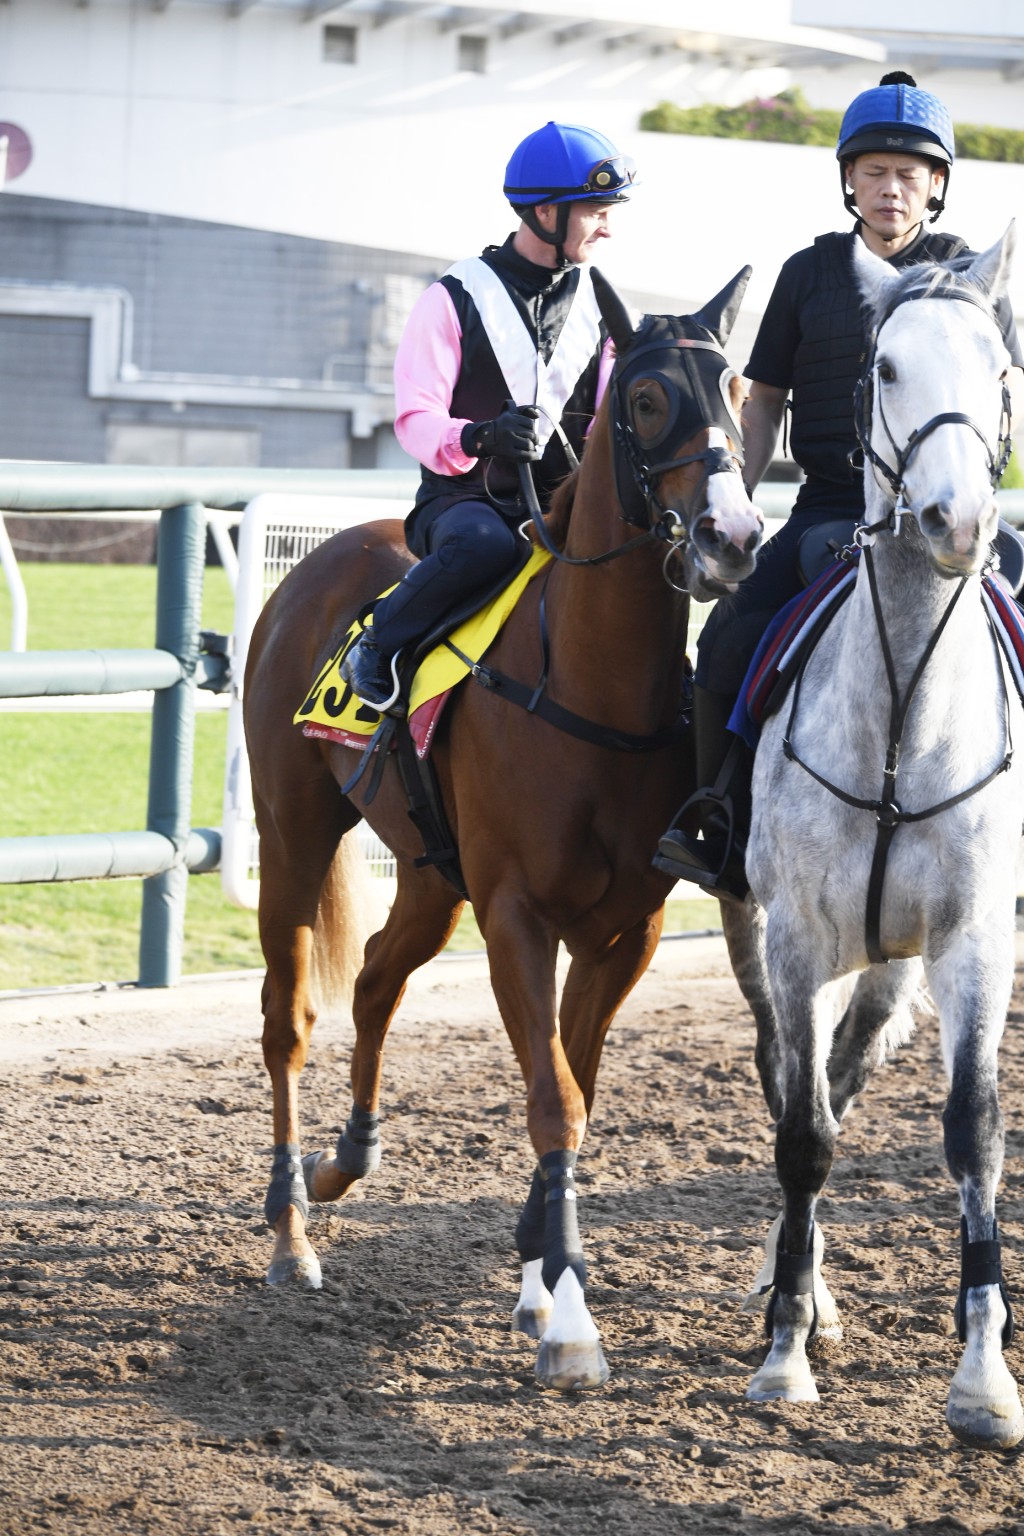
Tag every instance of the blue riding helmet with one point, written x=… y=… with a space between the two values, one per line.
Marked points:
x=565 y=163
x=898 y=117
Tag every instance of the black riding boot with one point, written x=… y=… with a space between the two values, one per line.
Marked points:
x=714 y=859
x=369 y=673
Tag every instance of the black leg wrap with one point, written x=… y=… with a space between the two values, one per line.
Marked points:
x=794 y=1276
x=358 y=1146
x=530 y=1226
x=287 y=1186
x=562 y=1246
x=980 y=1264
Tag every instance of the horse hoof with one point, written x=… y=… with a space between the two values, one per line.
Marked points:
x=533 y=1321
x=304 y=1272
x=571 y=1367
x=826 y=1339
x=987 y=1429
x=790 y=1384
x=309 y=1167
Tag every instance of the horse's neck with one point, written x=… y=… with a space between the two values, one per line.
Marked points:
x=618 y=630
x=913 y=600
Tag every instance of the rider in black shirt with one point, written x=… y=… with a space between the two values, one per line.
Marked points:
x=895 y=152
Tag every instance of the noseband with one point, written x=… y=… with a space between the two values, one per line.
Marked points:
x=864 y=402
x=684 y=380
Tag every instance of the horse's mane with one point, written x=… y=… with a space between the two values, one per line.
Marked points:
x=560 y=511
x=925 y=281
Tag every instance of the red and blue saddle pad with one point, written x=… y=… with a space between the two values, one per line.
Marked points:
x=797 y=628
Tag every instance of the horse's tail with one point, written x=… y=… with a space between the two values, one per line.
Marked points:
x=351 y=909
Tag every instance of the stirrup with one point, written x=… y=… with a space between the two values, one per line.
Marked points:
x=685 y=857
x=714 y=865
x=378 y=689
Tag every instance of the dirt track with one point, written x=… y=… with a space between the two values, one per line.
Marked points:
x=150 y=1382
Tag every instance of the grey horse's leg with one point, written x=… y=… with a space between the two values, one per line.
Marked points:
x=744 y=929
x=879 y=1019
x=805 y=1138
x=971 y=982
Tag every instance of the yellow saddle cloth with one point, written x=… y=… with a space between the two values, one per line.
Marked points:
x=331 y=711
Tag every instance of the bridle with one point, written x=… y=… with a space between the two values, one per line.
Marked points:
x=684 y=376
x=867 y=398
x=889 y=814
x=684 y=373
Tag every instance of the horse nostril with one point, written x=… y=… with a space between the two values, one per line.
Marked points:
x=708 y=538
x=754 y=542
x=937 y=519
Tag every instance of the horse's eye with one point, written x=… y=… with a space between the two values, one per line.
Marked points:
x=643 y=405
x=887 y=373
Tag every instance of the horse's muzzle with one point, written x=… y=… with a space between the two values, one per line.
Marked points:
x=958 y=544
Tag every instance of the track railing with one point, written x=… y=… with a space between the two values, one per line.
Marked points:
x=183 y=659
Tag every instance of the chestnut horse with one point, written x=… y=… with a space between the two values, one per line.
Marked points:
x=555 y=831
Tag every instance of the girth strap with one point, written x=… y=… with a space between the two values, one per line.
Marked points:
x=427 y=813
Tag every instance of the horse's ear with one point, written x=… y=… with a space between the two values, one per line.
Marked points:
x=613 y=312
x=873 y=274
x=991 y=270
x=719 y=315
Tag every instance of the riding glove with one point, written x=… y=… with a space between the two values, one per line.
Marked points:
x=512 y=435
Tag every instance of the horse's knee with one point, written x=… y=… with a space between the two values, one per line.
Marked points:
x=286 y=1040
x=803 y=1154
x=973 y=1130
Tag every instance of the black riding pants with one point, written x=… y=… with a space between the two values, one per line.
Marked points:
x=464 y=547
x=734 y=626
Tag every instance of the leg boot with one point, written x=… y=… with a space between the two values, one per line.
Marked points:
x=714 y=858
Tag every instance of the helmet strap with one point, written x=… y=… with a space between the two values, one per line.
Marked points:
x=555 y=237
x=936 y=204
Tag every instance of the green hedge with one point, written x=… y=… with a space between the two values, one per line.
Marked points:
x=788 y=119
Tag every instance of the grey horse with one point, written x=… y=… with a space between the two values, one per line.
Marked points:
x=888 y=809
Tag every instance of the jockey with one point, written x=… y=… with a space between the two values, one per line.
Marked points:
x=499 y=358
x=895 y=153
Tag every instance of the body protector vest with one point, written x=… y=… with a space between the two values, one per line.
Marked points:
x=830 y=356
x=534 y=342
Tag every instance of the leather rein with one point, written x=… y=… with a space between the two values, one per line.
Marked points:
x=641 y=508
x=889 y=814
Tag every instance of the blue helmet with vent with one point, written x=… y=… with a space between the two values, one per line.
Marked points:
x=566 y=163
x=897 y=118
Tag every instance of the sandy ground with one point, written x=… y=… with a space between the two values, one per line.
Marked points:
x=151 y=1383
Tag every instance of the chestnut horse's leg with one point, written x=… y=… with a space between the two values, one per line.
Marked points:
x=421 y=921
x=298 y=846
x=522 y=953
x=594 y=990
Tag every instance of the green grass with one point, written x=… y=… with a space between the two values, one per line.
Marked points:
x=87 y=772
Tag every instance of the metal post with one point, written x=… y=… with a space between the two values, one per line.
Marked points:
x=181 y=553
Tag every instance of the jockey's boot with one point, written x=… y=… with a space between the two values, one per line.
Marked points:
x=369 y=673
x=714 y=858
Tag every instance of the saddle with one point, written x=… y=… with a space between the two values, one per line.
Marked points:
x=797 y=628
x=441 y=660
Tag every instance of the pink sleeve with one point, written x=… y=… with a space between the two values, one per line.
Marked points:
x=427 y=366
x=604 y=371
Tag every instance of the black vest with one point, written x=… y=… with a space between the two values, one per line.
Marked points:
x=543 y=298
x=831 y=352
